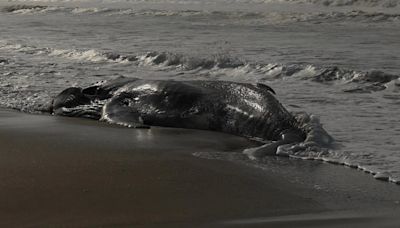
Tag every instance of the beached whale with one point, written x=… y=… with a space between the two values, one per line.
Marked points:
x=249 y=110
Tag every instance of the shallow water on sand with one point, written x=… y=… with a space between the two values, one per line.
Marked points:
x=337 y=61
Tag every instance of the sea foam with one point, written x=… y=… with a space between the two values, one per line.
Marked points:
x=221 y=64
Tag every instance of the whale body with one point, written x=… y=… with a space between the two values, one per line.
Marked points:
x=249 y=110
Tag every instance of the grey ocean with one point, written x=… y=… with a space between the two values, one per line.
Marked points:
x=336 y=59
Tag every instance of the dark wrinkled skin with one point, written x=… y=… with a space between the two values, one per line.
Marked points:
x=249 y=110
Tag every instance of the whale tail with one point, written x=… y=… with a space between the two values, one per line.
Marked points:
x=293 y=142
x=312 y=127
x=317 y=142
x=288 y=137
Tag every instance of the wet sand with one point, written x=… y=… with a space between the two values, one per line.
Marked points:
x=67 y=172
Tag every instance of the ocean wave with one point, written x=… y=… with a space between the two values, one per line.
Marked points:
x=168 y=59
x=31 y=9
x=366 y=3
x=160 y=59
x=41 y=9
x=224 y=63
x=220 y=64
x=89 y=55
x=92 y=10
x=24 y=9
x=353 y=16
x=16 y=8
x=365 y=82
x=224 y=17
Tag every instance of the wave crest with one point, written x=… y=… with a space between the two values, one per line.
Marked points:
x=218 y=17
x=20 y=8
x=219 y=64
x=365 y=81
x=367 y=3
x=189 y=63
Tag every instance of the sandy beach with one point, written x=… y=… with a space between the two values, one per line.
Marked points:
x=67 y=172
x=321 y=75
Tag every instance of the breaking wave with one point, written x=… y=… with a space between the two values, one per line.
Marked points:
x=222 y=63
x=224 y=17
x=19 y=8
x=360 y=82
x=31 y=9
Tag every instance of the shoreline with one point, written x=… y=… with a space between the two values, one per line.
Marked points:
x=59 y=171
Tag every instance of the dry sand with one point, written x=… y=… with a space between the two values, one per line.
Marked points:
x=66 y=172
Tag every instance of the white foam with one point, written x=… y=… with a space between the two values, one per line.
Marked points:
x=88 y=55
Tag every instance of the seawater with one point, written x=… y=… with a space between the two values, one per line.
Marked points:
x=336 y=59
